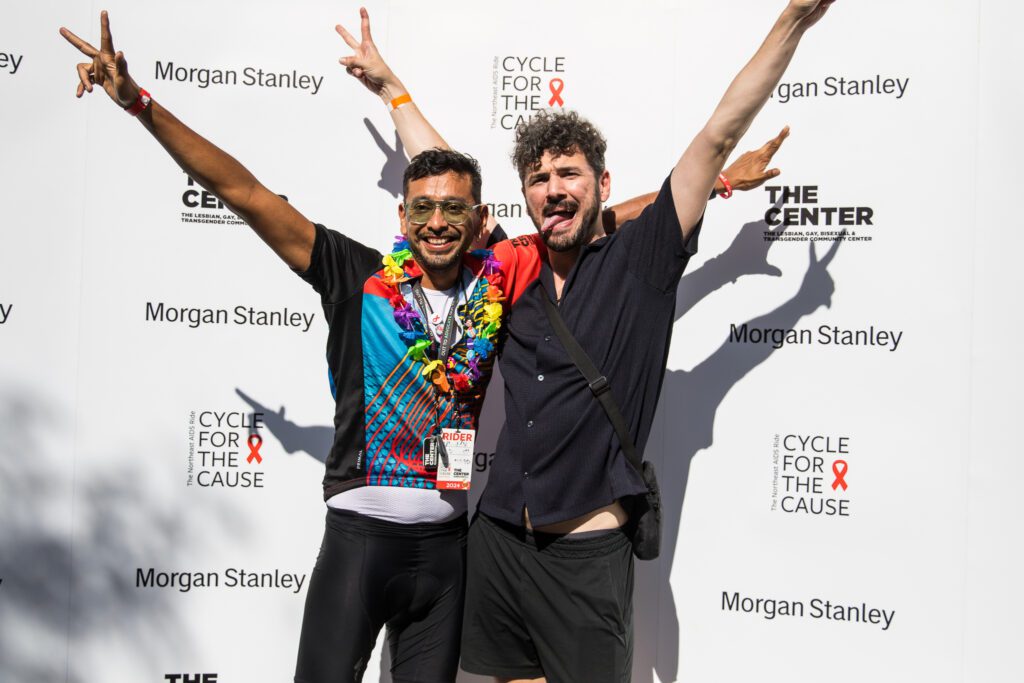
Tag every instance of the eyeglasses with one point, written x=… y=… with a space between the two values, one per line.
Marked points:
x=420 y=211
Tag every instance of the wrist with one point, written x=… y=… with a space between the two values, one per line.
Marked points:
x=792 y=20
x=130 y=94
x=391 y=90
x=397 y=102
x=139 y=104
x=726 y=190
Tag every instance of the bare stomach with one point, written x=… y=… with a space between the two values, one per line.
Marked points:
x=608 y=517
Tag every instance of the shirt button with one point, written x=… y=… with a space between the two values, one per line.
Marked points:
x=547 y=337
x=526 y=475
x=529 y=424
x=540 y=378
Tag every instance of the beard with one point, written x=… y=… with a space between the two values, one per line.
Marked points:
x=580 y=235
x=434 y=262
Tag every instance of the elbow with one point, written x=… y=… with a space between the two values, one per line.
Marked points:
x=719 y=143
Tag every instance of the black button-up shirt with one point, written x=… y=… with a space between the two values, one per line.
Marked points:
x=558 y=455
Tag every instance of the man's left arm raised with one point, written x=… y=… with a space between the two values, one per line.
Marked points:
x=698 y=168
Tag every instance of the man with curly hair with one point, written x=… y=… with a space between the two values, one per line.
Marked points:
x=550 y=573
x=410 y=349
x=550 y=565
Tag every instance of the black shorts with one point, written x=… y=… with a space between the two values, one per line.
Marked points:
x=369 y=573
x=558 y=606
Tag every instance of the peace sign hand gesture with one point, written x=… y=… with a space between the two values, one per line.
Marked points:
x=107 y=69
x=366 y=64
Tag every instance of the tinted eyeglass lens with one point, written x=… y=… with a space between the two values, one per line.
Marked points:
x=454 y=212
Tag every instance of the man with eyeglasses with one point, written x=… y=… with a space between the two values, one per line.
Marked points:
x=411 y=346
x=410 y=349
x=550 y=568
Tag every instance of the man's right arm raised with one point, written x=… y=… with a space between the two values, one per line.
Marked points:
x=281 y=226
x=366 y=65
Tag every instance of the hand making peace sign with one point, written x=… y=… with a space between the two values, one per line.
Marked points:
x=108 y=69
x=366 y=64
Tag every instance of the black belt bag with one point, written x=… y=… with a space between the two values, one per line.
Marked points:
x=645 y=510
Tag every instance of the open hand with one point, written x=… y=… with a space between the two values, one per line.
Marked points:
x=751 y=170
x=108 y=69
x=366 y=64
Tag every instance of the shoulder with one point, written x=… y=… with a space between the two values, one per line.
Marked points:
x=519 y=262
x=524 y=247
x=661 y=211
x=338 y=264
x=327 y=238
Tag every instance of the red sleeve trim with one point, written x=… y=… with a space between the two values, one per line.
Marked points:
x=521 y=258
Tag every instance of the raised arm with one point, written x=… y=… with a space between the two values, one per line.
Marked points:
x=367 y=65
x=417 y=134
x=749 y=170
x=287 y=231
x=695 y=174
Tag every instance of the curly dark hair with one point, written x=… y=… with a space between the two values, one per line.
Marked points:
x=439 y=161
x=561 y=132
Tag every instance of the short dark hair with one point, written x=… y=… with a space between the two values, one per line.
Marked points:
x=437 y=161
x=558 y=132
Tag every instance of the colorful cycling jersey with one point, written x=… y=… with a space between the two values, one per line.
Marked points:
x=385 y=404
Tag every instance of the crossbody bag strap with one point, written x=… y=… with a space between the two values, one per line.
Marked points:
x=598 y=382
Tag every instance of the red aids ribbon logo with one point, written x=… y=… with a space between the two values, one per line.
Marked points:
x=255 y=441
x=557 y=85
x=839 y=468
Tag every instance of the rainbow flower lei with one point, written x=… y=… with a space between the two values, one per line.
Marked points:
x=482 y=342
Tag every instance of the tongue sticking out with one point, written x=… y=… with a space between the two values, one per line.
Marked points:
x=557 y=220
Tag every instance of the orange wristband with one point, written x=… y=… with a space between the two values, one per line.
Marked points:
x=399 y=101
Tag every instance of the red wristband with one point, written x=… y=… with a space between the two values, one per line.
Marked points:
x=728 y=187
x=140 y=103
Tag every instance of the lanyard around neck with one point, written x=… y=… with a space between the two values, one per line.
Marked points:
x=448 y=333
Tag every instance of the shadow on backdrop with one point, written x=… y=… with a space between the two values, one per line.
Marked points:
x=68 y=582
x=314 y=441
x=394 y=161
x=686 y=416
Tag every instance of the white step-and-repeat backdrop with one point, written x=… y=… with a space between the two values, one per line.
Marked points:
x=836 y=436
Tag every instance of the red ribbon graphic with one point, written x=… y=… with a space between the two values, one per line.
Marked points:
x=557 y=85
x=839 y=468
x=254 y=441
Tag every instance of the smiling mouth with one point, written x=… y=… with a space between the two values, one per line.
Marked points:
x=439 y=242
